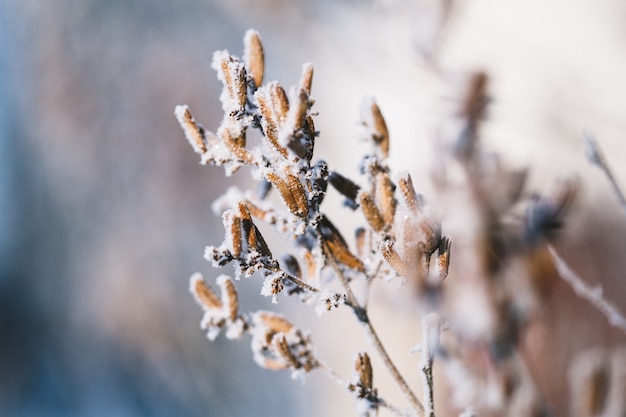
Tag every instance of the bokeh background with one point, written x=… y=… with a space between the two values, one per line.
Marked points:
x=105 y=211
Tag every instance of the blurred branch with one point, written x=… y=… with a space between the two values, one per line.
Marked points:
x=592 y=294
x=596 y=156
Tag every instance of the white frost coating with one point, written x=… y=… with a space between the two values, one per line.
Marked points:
x=193 y=281
x=272 y=286
x=228 y=200
x=367 y=119
x=247 y=44
x=235 y=329
x=180 y=113
x=231 y=94
x=228 y=218
x=468 y=412
x=328 y=300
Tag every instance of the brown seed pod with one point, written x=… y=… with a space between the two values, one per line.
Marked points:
x=384 y=197
x=336 y=247
x=276 y=323
x=284 y=350
x=250 y=233
x=393 y=258
x=345 y=186
x=474 y=103
x=363 y=367
x=254 y=57
x=232 y=224
x=291 y=265
x=229 y=296
x=203 y=294
x=299 y=195
x=310 y=265
x=373 y=118
x=292 y=193
x=193 y=131
x=443 y=257
x=273 y=106
x=362 y=243
x=306 y=78
x=279 y=102
x=371 y=212
x=409 y=195
x=236 y=145
x=235 y=81
x=298 y=110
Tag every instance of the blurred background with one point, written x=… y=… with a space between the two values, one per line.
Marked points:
x=105 y=211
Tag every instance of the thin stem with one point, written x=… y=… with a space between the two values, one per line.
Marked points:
x=589 y=293
x=596 y=156
x=431 y=326
x=362 y=316
x=377 y=400
x=295 y=280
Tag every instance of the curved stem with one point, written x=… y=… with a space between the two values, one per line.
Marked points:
x=373 y=337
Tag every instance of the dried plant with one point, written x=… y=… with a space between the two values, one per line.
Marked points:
x=476 y=305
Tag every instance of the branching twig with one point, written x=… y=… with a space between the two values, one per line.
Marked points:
x=375 y=340
x=596 y=157
x=589 y=293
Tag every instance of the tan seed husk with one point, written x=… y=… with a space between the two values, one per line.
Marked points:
x=254 y=57
x=385 y=198
x=371 y=212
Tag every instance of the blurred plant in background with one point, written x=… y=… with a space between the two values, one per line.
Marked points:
x=501 y=281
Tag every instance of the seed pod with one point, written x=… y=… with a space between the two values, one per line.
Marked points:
x=268 y=98
x=232 y=224
x=279 y=102
x=363 y=367
x=232 y=73
x=250 y=232
x=299 y=195
x=306 y=78
x=393 y=259
x=412 y=200
x=336 y=247
x=473 y=106
x=193 y=131
x=236 y=145
x=291 y=265
x=297 y=111
x=589 y=381
x=291 y=192
x=284 y=350
x=345 y=186
x=203 y=294
x=310 y=264
x=360 y=235
x=385 y=199
x=254 y=57
x=229 y=296
x=374 y=120
x=443 y=257
x=274 y=322
x=371 y=212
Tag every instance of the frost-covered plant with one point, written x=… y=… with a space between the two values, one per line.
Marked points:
x=472 y=321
